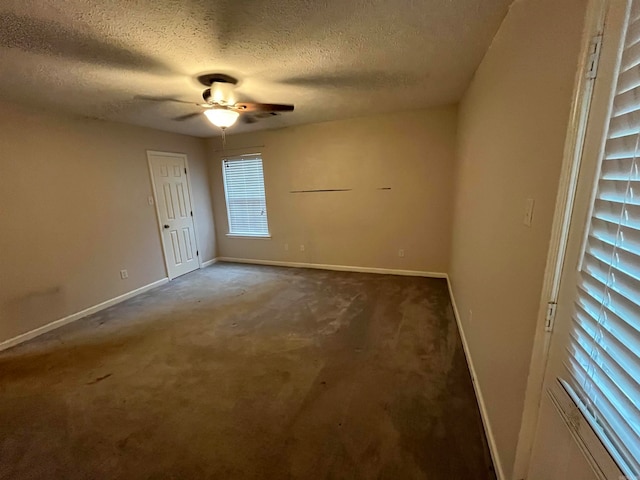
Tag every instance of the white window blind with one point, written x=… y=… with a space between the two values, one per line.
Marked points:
x=603 y=363
x=244 y=190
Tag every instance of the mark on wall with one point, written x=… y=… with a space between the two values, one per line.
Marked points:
x=322 y=190
x=332 y=190
x=35 y=307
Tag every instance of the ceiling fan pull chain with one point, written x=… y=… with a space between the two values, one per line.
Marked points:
x=224 y=138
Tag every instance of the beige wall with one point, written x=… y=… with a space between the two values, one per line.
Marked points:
x=74 y=200
x=74 y=211
x=513 y=123
x=411 y=152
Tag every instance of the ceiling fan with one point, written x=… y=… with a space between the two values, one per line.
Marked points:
x=220 y=106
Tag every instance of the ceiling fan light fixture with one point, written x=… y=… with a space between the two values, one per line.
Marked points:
x=221 y=117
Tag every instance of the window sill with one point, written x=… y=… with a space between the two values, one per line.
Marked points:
x=248 y=235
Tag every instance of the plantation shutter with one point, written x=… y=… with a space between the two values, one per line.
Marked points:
x=603 y=363
x=244 y=190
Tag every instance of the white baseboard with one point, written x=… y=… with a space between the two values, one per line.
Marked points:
x=12 y=342
x=476 y=386
x=208 y=263
x=340 y=268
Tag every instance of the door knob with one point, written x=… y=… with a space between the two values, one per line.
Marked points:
x=166 y=226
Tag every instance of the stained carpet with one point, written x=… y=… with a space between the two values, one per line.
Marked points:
x=248 y=372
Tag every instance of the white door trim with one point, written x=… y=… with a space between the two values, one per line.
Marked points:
x=155 y=201
x=574 y=144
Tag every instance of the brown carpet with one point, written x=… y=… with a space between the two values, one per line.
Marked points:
x=247 y=372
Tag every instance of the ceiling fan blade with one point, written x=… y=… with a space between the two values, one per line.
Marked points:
x=266 y=114
x=188 y=116
x=151 y=98
x=248 y=119
x=261 y=107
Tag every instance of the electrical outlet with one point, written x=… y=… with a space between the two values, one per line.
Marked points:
x=302 y=248
x=286 y=247
x=401 y=252
x=124 y=274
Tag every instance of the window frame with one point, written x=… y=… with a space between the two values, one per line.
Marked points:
x=244 y=235
x=588 y=433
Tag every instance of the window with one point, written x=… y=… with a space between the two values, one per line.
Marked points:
x=603 y=362
x=244 y=191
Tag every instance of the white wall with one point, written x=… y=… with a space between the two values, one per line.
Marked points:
x=513 y=123
x=74 y=211
x=410 y=152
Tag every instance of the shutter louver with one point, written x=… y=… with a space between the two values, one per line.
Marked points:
x=603 y=355
x=244 y=190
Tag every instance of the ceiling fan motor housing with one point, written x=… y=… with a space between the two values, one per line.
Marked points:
x=220 y=91
x=208 y=79
x=219 y=94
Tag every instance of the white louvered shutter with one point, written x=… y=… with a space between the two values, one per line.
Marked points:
x=244 y=190
x=603 y=363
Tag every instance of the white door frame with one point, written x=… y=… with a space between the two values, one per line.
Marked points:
x=155 y=201
x=574 y=144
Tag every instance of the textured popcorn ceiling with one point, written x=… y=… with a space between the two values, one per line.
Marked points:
x=331 y=58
